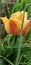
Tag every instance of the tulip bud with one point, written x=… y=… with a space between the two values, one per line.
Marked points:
x=14 y=23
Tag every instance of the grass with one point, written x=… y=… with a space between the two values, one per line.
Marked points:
x=16 y=50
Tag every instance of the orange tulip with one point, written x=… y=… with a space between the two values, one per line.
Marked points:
x=14 y=23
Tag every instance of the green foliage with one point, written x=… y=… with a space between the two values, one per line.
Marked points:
x=16 y=50
x=2 y=62
x=26 y=1
x=17 y=7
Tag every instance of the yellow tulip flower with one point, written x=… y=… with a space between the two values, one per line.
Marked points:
x=14 y=23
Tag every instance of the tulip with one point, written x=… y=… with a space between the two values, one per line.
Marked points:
x=14 y=23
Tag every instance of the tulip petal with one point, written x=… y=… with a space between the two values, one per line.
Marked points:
x=14 y=26
x=26 y=27
x=4 y=19
x=25 y=16
x=17 y=15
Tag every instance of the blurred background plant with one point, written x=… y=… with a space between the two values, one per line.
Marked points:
x=14 y=50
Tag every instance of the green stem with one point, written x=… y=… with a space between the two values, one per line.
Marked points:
x=7 y=60
x=19 y=50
